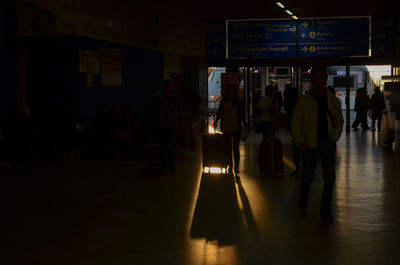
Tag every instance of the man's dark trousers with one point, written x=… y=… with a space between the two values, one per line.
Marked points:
x=326 y=151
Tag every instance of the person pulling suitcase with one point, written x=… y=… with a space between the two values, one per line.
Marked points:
x=231 y=117
x=270 y=149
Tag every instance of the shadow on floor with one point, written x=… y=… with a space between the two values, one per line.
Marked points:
x=217 y=215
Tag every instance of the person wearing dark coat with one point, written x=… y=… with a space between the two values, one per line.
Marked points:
x=377 y=106
x=232 y=120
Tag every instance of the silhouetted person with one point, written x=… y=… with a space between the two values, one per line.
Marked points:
x=366 y=103
x=136 y=127
x=317 y=125
x=268 y=107
x=377 y=106
x=359 y=108
x=289 y=103
x=190 y=103
x=103 y=130
x=331 y=88
x=169 y=119
x=278 y=97
x=256 y=115
x=232 y=120
x=19 y=136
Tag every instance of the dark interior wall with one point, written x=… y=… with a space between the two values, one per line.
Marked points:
x=50 y=86
x=58 y=91
x=8 y=33
x=141 y=77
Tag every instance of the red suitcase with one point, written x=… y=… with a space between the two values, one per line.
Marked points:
x=270 y=157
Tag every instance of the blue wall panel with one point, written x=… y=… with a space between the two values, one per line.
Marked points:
x=56 y=88
x=141 y=77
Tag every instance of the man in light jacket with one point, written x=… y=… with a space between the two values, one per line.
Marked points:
x=317 y=125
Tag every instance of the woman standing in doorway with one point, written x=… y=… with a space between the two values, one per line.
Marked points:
x=232 y=120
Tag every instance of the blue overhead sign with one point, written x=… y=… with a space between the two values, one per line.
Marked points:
x=261 y=39
x=331 y=37
x=216 y=39
x=382 y=36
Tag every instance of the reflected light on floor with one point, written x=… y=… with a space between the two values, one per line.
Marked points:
x=289 y=163
x=360 y=181
x=216 y=170
x=209 y=252
x=212 y=130
x=376 y=138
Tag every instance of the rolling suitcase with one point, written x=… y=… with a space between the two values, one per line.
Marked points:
x=216 y=150
x=270 y=157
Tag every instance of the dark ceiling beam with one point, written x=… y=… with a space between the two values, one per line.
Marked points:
x=305 y=61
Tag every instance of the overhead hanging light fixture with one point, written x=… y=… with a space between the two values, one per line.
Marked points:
x=279 y=4
x=288 y=12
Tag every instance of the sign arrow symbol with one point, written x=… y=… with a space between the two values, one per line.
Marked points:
x=216 y=39
x=305 y=24
x=305 y=49
x=303 y=35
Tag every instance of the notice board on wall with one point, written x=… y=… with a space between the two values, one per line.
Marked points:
x=110 y=67
x=89 y=62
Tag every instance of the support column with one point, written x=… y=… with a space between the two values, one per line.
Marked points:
x=8 y=47
x=347 y=98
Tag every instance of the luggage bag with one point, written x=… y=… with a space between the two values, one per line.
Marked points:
x=216 y=150
x=270 y=157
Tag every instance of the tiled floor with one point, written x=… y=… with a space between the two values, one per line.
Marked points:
x=119 y=213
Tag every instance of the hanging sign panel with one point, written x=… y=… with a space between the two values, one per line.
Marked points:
x=333 y=37
x=382 y=36
x=216 y=39
x=261 y=39
x=314 y=37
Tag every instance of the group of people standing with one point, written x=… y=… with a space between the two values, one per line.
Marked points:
x=364 y=105
x=316 y=123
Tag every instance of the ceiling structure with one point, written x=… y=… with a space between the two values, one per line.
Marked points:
x=224 y=9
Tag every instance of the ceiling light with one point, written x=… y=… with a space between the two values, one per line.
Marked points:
x=288 y=11
x=280 y=4
x=294 y=17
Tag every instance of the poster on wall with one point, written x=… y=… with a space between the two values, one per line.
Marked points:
x=89 y=62
x=110 y=67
